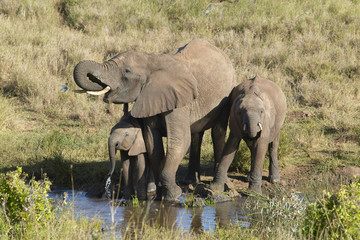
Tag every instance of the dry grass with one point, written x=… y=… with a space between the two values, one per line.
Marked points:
x=310 y=48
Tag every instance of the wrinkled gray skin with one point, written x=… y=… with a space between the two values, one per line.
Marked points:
x=258 y=109
x=126 y=136
x=183 y=92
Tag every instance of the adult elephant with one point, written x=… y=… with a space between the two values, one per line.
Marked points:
x=183 y=93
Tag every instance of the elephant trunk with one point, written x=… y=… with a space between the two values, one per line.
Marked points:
x=112 y=154
x=253 y=131
x=87 y=75
x=254 y=126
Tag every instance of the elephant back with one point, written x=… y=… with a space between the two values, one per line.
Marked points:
x=214 y=73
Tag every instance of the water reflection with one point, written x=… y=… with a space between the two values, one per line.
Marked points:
x=158 y=213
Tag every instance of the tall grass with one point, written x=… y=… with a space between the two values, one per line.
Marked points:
x=310 y=48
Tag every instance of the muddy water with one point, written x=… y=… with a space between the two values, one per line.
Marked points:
x=173 y=216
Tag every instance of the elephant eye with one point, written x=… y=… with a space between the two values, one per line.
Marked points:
x=127 y=70
x=126 y=134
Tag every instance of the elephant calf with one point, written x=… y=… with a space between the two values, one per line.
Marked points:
x=126 y=136
x=258 y=108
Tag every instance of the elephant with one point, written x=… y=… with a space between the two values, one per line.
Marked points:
x=258 y=109
x=182 y=93
x=126 y=136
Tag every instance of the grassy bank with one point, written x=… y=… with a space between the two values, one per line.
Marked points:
x=28 y=213
x=310 y=48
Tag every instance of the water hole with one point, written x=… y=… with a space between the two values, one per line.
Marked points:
x=197 y=219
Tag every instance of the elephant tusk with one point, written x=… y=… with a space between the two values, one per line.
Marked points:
x=79 y=91
x=244 y=128
x=260 y=126
x=105 y=90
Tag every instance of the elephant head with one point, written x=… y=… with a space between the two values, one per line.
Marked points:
x=126 y=135
x=156 y=82
x=248 y=111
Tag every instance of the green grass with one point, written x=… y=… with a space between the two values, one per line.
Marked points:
x=311 y=49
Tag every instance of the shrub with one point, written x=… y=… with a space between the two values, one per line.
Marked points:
x=283 y=213
x=336 y=215
x=23 y=203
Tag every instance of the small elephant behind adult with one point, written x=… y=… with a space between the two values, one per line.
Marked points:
x=179 y=93
x=126 y=136
x=258 y=109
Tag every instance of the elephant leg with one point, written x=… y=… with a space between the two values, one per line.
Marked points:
x=274 y=175
x=139 y=176
x=151 y=186
x=193 y=173
x=230 y=149
x=154 y=146
x=218 y=135
x=128 y=186
x=178 y=142
x=258 y=152
x=250 y=144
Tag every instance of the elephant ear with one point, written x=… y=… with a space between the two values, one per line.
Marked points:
x=171 y=86
x=138 y=145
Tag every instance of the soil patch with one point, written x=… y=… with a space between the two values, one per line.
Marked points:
x=294 y=178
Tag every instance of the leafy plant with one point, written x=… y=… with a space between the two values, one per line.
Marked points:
x=24 y=203
x=336 y=215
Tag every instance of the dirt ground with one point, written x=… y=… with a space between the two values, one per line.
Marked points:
x=295 y=178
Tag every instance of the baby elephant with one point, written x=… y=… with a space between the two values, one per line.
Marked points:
x=126 y=136
x=258 y=108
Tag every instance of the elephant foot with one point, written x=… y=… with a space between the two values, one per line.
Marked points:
x=157 y=195
x=141 y=196
x=274 y=178
x=217 y=186
x=151 y=187
x=172 y=193
x=220 y=197
x=190 y=179
x=255 y=187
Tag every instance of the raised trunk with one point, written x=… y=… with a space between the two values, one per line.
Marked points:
x=87 y=75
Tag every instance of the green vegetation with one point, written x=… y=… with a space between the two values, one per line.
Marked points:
x=25 y=203
x=28 y=213
x=335 y=216
x=311 y=49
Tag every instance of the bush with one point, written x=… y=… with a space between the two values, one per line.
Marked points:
x=23 y=203
x=335 y=216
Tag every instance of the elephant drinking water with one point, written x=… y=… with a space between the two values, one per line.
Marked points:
x=126 y=136
x=183 y=92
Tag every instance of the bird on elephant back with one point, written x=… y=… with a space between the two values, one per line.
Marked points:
x=258 y=109
x=181 y=93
